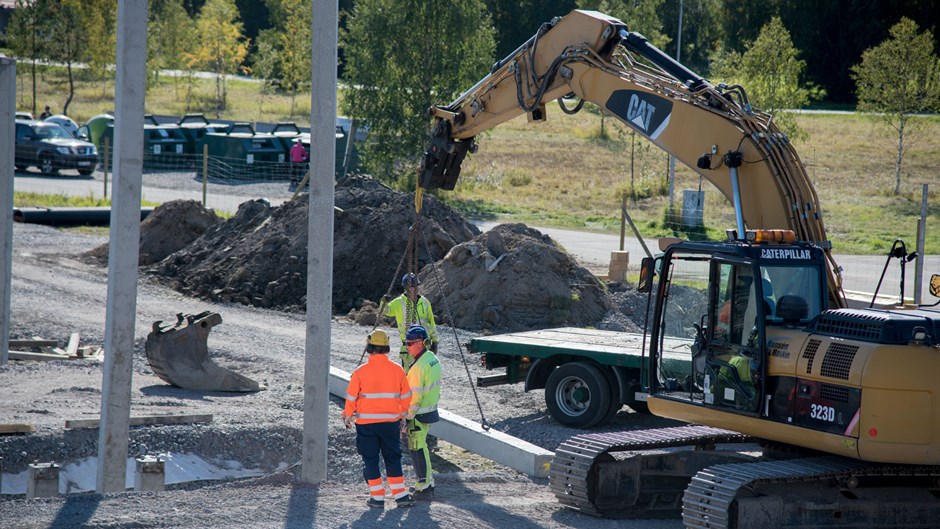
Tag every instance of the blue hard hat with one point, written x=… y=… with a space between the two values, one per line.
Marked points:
x=416 y=332
x=409 y=280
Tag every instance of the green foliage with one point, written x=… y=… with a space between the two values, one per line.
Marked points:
x=221 y=46
x=284 y=50
x=426 y=53
x=897 y=79
x=770 y=73
x=99 y=29
x=172 y=35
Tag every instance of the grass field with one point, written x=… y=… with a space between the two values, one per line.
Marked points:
x=569 y=172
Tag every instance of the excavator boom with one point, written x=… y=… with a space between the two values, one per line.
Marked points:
x=712 y=130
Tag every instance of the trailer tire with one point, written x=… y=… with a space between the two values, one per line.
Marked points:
x=577 y=395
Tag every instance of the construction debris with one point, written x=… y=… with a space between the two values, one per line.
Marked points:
x=144 y=420
x=6 y=429
x=178 y=353
x=40 y=349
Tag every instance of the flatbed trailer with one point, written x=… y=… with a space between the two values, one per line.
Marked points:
x=588 y=374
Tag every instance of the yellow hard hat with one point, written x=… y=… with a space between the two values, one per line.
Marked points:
x=378 y=338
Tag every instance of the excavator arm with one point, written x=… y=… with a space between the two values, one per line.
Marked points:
x=712 y=130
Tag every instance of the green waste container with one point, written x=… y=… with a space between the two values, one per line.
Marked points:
x=96 y=130
x=241 y=153
x=194 y=127
x=286 y=133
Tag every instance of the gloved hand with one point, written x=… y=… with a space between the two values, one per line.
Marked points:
x=403 y=426
x=386 y=298
x=434 y=347
x=349 y=421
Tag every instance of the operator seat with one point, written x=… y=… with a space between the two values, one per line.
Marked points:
x=791 y=309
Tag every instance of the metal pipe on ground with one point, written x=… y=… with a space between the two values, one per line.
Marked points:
x=93 y=216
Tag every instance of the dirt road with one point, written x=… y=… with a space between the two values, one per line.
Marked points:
x=54 y=294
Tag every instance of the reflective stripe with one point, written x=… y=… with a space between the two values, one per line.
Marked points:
x=350 y=397
x=379 y=415
x=406 y=395
x=433 y=385
x=380 y=395
x=377 y=487
x=426 y=409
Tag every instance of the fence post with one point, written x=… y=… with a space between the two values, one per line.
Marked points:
x=107 y=158
x=623 y=219
x=205 y=172
x=921 y=235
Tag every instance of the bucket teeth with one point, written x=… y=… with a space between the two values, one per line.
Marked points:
x=179 y=355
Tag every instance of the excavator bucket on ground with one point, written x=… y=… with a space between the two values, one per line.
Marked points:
x=178 y=354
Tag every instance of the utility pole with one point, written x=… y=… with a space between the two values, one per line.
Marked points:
x=672 y=160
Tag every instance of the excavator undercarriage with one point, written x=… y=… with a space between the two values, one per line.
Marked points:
x=718 y=479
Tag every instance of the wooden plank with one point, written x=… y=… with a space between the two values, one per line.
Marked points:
x=20 y=355
x=72 y=348
x=144 y=420
x=34 y=343
x=16 y=428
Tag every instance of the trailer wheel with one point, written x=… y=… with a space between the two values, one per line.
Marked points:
x=577 y=395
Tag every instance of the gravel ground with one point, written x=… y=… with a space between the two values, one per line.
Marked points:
x=55 y=294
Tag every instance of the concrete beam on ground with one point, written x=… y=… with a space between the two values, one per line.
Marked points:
x=7 y=132
x=503 y=448
x=124 y=248
x=319 y=321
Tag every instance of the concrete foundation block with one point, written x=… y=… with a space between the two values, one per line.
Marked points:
x=150 y=475
x=43 y=481
x=618 y=266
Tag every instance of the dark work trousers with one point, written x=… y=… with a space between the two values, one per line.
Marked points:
x=375 y=438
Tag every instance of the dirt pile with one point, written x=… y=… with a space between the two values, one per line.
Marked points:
x=259 y=256
x=513 y=278
x=171 y=227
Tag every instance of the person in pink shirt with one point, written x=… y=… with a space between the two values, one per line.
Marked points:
x=299 y=159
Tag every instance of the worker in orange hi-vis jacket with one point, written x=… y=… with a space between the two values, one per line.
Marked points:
x=377 y=399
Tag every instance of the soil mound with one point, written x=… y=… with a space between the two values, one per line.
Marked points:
x=259 y=256
x=513 y=278
x=169 y=228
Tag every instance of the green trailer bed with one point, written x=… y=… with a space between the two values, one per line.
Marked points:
x=576 y=367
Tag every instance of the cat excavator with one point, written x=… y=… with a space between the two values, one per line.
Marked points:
x=800 y=412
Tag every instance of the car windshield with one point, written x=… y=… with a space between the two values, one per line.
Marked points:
x=52 y=132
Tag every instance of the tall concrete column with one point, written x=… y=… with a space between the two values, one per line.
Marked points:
x=7 y=132
x=320 y=241
x=124 y=245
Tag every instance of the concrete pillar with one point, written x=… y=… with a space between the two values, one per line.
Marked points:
x=150 y=475
x=320 y=241
x=124 y=245
x=43 y=481
x=7 y=132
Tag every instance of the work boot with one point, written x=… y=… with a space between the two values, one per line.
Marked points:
x=423 y=494
x=405 y=501
x=375 y=504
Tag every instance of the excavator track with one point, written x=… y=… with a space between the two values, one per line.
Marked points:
x=824 y=492
x=579 y=474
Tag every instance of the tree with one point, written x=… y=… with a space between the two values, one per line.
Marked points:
x=427 y=52
x=172 y=36
x=898 y=79
x=24 y=33
x=289 y=39
x=64 y=39
x=99 y=33
x=221 y=44
x=770 y=72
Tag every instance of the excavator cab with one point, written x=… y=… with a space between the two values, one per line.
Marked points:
x=728 y=302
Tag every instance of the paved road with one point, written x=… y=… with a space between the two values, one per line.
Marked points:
x=593 y=250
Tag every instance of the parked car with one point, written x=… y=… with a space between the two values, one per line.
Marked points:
x=50 y=148
x=24 y=115
x=66 y=122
